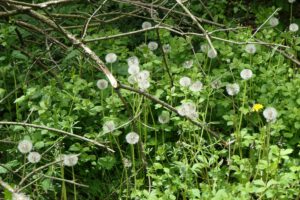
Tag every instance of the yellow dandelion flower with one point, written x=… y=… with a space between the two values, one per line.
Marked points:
x=257 y=107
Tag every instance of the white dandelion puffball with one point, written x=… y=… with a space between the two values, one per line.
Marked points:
x=246 y=74
x=250 y=48
x=204 y=48
x=102 y=84
x=146 y=25
x=127 y=163
x=185 y=81
x=270 y=114
x=132 y=79
x=25 y=146
x=132 y=138
x=133 y=69
x=143 y=75
x=20 y=196
x=196 y=86
x=292 y=1
x=216 y=84
x=144 y=84
x=212 y=53
x=152 y=46
x=232 y=89
x=111 y=58
x=188 y=64
x=273 y=21
x=70 y=160
x=133 y=61
x=109 y=126
x=166 y=48
x=34 y=157
x=293 y=27
x=188 y=109
x=164 y=117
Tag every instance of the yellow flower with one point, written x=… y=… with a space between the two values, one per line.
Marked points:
x=257 y=107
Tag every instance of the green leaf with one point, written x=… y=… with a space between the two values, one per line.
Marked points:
x=20 y=99
x=18 y=55
x=107 y=162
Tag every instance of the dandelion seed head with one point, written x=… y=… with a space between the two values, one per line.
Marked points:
x=246 y=74
x=111 y=58
x=216 y=84
x=132 y=138
x=127 y=163
x=133 y=61
x=70 y=160
x=152 y=46
x=273 y=21
x=146 y=25
x=19 y=196
x=232 y=89
x=25 y=146
x=270 y=114
x=193 y=115
x=293 y=27
x=109 y=126
x=187 y=109
x=204 y=48
x=196 y=86
x=250 y=48
x=132 y=79
x=143 y=75
x=212 y=53
x=34 y=157
x=102 y=84
x=188 y=64
x=166 y=48
x=164 y=117
x=133 y=69
x=144 y=84
x=185 y=81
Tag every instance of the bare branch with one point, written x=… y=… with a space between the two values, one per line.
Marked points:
x=76 y=42
x=198 y=24
x=56 y=131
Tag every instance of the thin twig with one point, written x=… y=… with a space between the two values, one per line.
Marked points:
x=56 y=131
x=68 y=181
x=165 y=59
x=86 y=25
x=36 y=170
x=6 y=186
x=76 y=42
x=264 y=22
x=207 y=37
